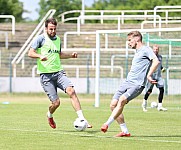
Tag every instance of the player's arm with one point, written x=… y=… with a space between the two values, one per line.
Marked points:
x=68 y=55
x=33 y=54
x=37 y=42
x=155 y=63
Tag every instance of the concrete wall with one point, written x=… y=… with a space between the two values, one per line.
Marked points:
x=107 y=85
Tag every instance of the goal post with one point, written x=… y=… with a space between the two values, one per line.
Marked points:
x=97 y=72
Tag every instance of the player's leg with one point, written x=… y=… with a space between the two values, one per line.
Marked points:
x=160 y=96
x=76 y=103
x=53 y=106
x=117 y=106
x=132 y=93
x=113 y=105
x=147 y=94
x=120 y=121
x=50 y=88
x=65 y=84
x=123 y=127
x=74 y=99
x=160 y=100
x=160 y=86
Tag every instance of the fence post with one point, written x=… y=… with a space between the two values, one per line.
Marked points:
x=167 y=74
x=10 y=73
x=88 y=82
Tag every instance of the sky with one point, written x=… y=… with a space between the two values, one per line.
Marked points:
x=32 y=5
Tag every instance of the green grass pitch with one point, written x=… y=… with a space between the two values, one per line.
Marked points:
x=24 y=126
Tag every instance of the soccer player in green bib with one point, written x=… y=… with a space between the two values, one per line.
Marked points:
x=46 y=48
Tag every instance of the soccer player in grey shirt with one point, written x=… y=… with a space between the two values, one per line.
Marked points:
x=160 y=84
x=143 y=65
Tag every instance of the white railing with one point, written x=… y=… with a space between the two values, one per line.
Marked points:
x=13 y=21
x=121 y=12
x=120 y=18
x=6 y=38
x=20 y=55
x=107 y=41
x=6 y=44
x=160 y=23
x=168 y=71
x=166 y=10
x=78 y=67
x=81 y=33
x=112 y=60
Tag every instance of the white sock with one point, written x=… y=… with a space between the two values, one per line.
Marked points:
x=124 y=128
x=144 y=102
x=80 y=114
x=49 y=114
x=109 y=121
x=159 y=104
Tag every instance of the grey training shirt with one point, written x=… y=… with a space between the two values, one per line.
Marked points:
x=39 y=41
x=140 y=66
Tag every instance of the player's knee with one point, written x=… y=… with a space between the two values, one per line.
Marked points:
x=123 y=102
x=149 y=91
x=112 y=106
x=70 y=91
x=56 y=103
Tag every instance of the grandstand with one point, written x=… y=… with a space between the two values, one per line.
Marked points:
x=114 y=60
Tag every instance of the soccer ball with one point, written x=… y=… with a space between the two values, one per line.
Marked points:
x=80 y=125
x=154 y=104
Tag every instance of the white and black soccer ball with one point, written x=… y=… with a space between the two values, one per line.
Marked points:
x=80 y=124
x=154 y=104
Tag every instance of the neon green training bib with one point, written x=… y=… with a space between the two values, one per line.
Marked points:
x=50 y=49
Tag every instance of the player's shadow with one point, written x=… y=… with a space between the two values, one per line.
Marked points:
x=90 y=131
x=169 y=136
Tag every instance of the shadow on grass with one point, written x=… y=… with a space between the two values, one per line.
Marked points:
x=169 y=136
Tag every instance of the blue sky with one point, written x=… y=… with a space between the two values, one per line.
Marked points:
x=32 y=5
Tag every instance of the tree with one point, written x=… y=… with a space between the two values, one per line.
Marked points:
x=11 y=7
x=60 y=6
x=130 y=4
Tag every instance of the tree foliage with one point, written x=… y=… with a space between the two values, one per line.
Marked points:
x=60 y=6
x=15 y=7
x=134 y=5
x=11 y=7
x=130 y=4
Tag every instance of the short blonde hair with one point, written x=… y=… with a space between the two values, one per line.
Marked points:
x=135 y=34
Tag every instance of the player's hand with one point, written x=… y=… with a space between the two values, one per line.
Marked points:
x=74 y=55
x=43 y=58
x=163 y=69
x=151 y=80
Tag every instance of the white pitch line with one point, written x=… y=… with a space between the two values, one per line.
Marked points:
x=90 y=135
